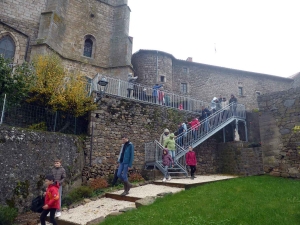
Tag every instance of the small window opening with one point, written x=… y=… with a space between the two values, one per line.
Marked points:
x=185 y=70
x=88 y=48
x=241 y=91
x=183 y=88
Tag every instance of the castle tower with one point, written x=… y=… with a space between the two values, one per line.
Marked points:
x=90 y=35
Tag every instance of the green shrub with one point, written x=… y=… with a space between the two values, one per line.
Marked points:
x=80 y=193
x=111 y=178
x=7 y=215
x=38 y=126
x=66 y=201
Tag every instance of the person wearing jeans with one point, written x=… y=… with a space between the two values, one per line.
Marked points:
x=125 y=161
x=167 y=161
x=170 y=145
x=59 y=174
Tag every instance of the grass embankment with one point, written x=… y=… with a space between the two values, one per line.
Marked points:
x=259 y=200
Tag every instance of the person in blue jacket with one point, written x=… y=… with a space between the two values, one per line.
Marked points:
x=125 y=161
x=155 y=92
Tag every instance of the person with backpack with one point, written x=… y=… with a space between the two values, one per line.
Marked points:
x=51 y=200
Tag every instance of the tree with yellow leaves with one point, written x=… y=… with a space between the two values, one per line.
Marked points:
x=57 y=90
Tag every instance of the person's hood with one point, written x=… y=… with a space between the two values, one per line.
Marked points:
x=55 y=184
x=215 y=98
x=172 y=135
x=166 y=130
x=167 y=151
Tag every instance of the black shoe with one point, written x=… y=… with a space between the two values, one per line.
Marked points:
x=124 y=193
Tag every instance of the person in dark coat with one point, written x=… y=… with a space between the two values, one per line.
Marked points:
x=167 y=161
x=233 y=101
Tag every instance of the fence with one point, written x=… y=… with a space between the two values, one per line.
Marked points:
x=148 y=94
x=38 y=118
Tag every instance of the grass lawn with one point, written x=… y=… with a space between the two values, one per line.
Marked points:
x=253 y=200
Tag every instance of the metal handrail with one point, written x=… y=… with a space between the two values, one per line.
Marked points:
x=207 y=127
x=148 y=94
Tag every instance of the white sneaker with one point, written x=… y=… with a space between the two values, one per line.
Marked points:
x=57 y=214
x=169 y=178
x=164 y=180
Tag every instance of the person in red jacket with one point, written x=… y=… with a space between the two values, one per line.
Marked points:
x=191 y=161
x=51 y=200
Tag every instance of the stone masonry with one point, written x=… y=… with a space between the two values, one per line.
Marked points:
x=204 y=81
x=280 y=134
x=27 y=156
x=142 y=122
x=236 y=158
x=37 y=26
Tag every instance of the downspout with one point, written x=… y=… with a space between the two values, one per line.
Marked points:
x=27 y=47
x=156 y=66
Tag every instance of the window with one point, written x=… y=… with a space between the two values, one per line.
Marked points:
x=162 y=79
x=88 y=48
x=88 y=85
x=241 y=91
x=185 y=70
x=183 y=88
x=7 y=47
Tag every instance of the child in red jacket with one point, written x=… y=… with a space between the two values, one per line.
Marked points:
x=51 y=200
x=191 y=161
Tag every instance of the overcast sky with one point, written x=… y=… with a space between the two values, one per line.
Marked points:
x=254 y=35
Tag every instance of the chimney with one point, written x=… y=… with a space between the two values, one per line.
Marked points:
x=189 y=59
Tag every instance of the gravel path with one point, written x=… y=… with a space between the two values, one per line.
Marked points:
x=149 y=190
x=104 y=206
x=95 y=209
x=199 y=179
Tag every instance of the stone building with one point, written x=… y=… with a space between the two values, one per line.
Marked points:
x=90 y=36
x=203 y=81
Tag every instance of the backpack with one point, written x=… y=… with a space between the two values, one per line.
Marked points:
x=37 y=204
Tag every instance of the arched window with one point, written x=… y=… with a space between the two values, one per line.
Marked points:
x=88 y=48
x=7 y=47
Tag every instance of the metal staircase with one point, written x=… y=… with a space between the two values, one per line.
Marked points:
x=194 y=137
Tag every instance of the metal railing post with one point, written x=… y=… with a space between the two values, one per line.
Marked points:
x=3 y=108
x=54 y=128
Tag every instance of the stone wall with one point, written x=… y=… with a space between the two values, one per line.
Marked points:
x=205 y=81
x=279 y=122
x=73 y=66
x=63 y=27
x=23 y=15
x=206 y=157
x=27 y=156
x=142 y=122
x=236 y=158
